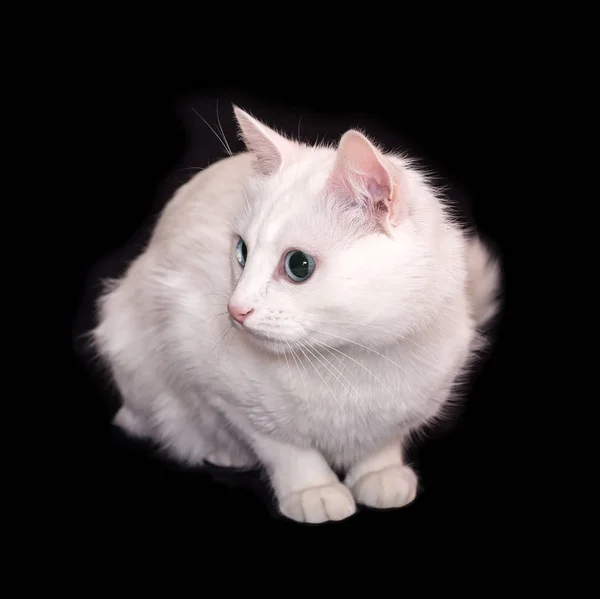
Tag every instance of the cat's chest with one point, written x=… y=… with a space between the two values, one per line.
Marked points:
x=324 y=401
x=332 y=400
x=355 y=400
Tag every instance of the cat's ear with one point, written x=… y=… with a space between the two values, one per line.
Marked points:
x=267 y=145
x=361 y=174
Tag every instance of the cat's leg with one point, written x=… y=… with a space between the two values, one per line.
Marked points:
x=197 y=435
x=306 y=488
x=130 y=422
x=230 y=452
x=228 y=458
x=383 y=480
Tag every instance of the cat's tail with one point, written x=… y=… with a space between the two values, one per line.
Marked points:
x=484 y=282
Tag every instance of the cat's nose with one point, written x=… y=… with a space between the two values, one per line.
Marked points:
x=239 y=313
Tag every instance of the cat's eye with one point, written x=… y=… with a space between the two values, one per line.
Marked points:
x=299 y=266
x=241 y=252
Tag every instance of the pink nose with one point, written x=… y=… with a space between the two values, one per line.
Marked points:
x=239 y=313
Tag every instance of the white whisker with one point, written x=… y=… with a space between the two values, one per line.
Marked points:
x=301 y=347
x=359 y=345
x=337 y=369
x=221 y=339
x=288 y=365
x=216 y=134
x=329 y=369
x=223 y=132
x=359 y=364
x=321 y=344
x=235 y=333
x=297 y=361
x=362 y=324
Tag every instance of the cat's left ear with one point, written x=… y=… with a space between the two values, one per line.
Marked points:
x=362 y=174
x=266 y=144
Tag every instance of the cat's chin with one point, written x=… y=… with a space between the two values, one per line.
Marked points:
x=265 y=341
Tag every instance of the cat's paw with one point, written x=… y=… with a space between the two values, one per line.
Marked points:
x=228 y=459
x=319 y=504
x=392 y=487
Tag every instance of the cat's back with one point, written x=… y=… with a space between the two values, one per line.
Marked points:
x=207 y=203
x=192 y=236
x=191 y=241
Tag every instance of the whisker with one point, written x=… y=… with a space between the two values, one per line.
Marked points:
x=235 y=333
x=359 y=364
x=329 y=369
x=362 y=324
x=214 y=292
x=359 y=345
x=288 y=365
x=317 y=371
x=222 y=339
x=216 y=135
x=300 y=361
x=192 y=168
x=339 y=371
x=296 y=360
x=320 y=343
x=223 y=132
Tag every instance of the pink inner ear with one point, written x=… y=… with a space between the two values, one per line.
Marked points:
x=262 y=141
x=360 y=174
x=378 y=192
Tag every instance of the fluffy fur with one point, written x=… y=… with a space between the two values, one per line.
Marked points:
x=331 y=373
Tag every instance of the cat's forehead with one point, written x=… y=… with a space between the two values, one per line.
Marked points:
x=291 y=209
x=288 y=224
x=290 y=197
x=304 y=175
x=278 y=226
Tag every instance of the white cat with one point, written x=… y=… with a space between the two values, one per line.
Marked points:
x=302 y=307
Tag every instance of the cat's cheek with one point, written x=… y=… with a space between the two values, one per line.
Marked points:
x=236 y=271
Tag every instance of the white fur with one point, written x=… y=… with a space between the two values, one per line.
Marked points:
x=333 y=372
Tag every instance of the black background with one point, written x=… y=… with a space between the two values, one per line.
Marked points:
x=144 y=140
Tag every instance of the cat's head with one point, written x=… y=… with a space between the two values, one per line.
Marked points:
x=327 y=250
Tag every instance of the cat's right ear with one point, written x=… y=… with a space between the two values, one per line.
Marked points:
x=362 y=174
x=267 y=145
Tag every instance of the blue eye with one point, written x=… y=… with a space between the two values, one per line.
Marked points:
x=299 y=266
x=241 y=252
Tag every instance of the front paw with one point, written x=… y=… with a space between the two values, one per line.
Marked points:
x=319 y=504
x=392 y=487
